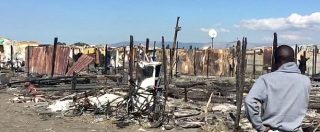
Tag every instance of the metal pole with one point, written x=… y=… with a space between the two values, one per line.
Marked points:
x=55 y=44
x=212 y=42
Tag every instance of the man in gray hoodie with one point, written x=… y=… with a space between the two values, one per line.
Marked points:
x=279 y=100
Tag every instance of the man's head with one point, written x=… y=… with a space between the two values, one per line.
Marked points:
x=283 y=54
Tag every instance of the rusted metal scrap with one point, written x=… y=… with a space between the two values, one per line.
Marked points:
x=82 y=62
x=40 y=60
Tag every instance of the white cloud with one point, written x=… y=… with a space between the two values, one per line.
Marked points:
x=204 y=29
x=293 y=37
x=294 y=21
x=224 y=30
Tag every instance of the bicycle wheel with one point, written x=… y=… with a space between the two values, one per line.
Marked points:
x=73 y=112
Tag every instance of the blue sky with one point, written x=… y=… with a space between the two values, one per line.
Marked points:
x=112 y=21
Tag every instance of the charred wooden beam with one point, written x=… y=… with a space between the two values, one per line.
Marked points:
x=233 y=64
x=154 y=51
x=238 y=71
x=274 y=47
x=147 y=46
x=164 y=63
x=105 y=59
x=170 y=64
x=88 y=70
x=177 y=59
x=208 y=61
x=11 y=55
x=28 y=61
x=55 y=44
x=254 y=64
x=194 y=61
x=177 y=29
x=96 y=57
x=74 y=81
x=314 y=62
x=296 y=53
x=243 y=62
x=131 y=59
x=73 y=54
x=124 y=58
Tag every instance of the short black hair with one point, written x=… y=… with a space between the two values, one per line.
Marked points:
x=284 y=54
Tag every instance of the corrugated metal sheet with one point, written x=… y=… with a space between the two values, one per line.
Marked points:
x=82 y=62
x=220 y=61
x=40 y=60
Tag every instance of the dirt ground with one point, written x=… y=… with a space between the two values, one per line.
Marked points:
x=23 y=117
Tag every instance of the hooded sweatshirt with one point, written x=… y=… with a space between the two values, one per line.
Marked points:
x=279 y=99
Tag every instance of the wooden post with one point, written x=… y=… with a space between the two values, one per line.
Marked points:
x=55 y=44
x=296 y=53
x=238 y=54
x=177 y=59
x=274 y=47
x=164 y=63
x=254 y=64
x=154 y=51
x=131 y=59
x=105 y=59
x=28 y=61
x=177 y=29
x=208 y=61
